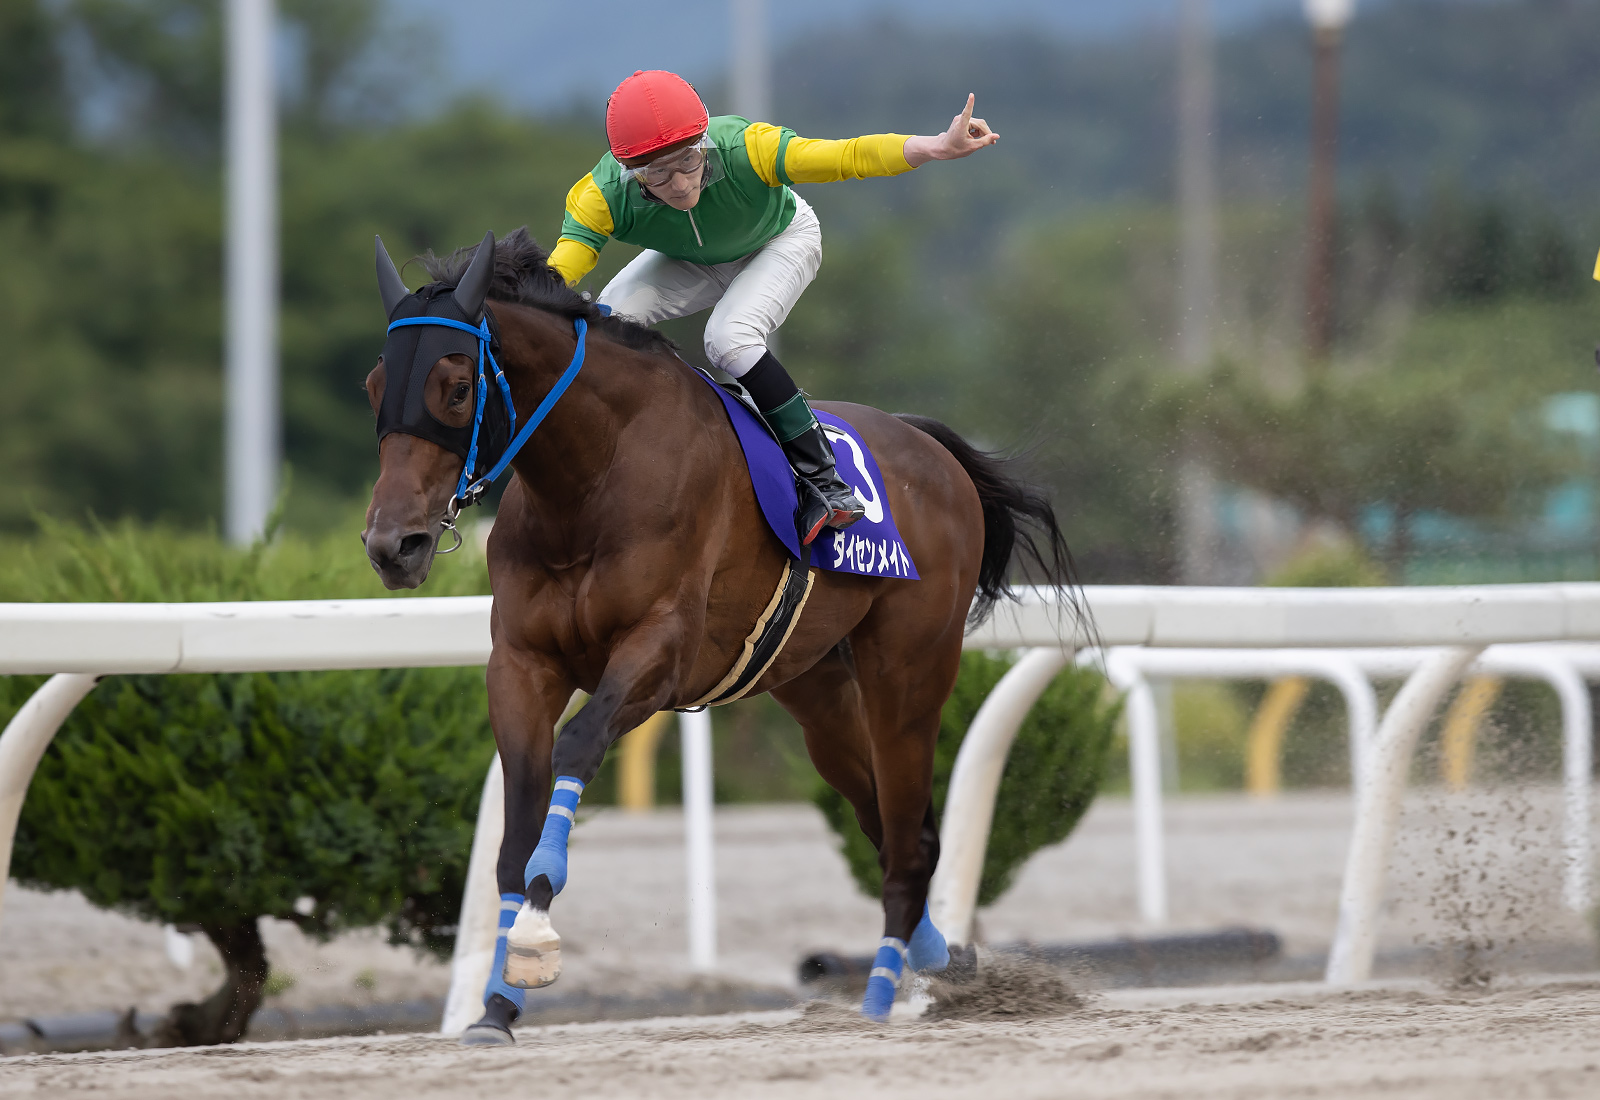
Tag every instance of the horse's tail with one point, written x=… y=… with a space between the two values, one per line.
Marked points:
x=1018 y=521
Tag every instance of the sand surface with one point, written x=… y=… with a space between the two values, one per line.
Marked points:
x=1484 y=865
x=1269 y=1042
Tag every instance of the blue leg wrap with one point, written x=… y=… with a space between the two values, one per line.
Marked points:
x=887 y=966
x=509 y=904
x=927 y=950
x=550 y=857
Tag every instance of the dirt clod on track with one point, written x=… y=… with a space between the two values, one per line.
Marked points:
x=1243 y=1043
x=1006 y=988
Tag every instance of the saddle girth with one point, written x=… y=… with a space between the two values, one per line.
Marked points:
x=766 y=640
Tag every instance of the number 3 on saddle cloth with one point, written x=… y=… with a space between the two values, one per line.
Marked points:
x=870 y=547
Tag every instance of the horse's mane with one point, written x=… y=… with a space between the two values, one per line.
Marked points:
x=523 y=275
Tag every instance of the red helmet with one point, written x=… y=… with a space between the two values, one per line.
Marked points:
x=650 y=111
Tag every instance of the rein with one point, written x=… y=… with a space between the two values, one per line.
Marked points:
x=468 y=491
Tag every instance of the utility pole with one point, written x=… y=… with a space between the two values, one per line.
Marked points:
x=252 y=433
x=1328 y=19
x=750 y=70
x=1200 y=542
x=750 y=64
x=1197 y=186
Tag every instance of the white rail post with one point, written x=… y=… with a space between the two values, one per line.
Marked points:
x=1557 y=669
x=1378 y=798
x=1144 y=768
x=22 y=746
x=1577 y=759
x=480 y=910
x=1361 y=712
x=974 y=782
x=700 y=857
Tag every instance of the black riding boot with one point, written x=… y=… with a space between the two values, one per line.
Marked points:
x=825 y=499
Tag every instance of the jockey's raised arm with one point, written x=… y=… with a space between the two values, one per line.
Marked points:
x=588 y=223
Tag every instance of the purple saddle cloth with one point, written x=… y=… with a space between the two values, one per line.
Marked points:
x=872 y=546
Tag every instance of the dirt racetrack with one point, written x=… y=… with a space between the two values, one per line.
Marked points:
x=783 y=891
x=1531 y=1040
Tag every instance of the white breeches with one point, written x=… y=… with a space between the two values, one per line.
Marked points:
x=752 y=296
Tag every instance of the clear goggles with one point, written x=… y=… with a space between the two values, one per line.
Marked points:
x=702 y=158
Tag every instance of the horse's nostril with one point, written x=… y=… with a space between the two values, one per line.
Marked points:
x=414 y=545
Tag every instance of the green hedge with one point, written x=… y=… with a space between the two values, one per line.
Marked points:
x=214 y=800
x=1051 y=776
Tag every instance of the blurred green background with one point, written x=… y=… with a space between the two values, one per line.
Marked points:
x=1025 y=297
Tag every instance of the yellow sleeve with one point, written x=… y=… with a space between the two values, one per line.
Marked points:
x=573 y=260
x=1597 y=267
x=584 y=231
x=817 y=160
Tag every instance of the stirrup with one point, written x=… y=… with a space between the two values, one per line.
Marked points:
x=819 y=509
x=813 y=514
x=841 y=517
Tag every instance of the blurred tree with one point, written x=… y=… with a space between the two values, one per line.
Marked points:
x=159 y=62
x=1340 y=445
x=32 y=84
x=1068 y=350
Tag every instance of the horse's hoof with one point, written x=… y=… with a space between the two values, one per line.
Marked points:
x=533 y=950
x=963 y=965
x=494 y=1029
x=481 y=1034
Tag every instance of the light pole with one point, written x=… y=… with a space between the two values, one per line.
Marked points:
x=750 y=72
x=1328 y=18
x=749 y=65
x=1197 y=187
x=251 y=443
x=1200 y=544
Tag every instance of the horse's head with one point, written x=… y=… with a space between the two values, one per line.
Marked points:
x=424 y=394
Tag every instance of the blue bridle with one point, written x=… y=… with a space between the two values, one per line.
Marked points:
x=469 y=492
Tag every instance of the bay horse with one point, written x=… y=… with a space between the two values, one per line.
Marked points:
x=629 y=558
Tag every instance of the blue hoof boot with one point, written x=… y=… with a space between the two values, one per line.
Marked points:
x=887 y=966
x=510 y=904
x=927 y=949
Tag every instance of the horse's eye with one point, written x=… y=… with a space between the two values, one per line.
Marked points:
x=462 y=392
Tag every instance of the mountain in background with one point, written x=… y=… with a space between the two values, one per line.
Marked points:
x=1491 y=97
x=1488 y=96
x=543 y=55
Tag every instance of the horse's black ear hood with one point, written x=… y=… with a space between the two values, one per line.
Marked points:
x=390 y=286
x=474 y=284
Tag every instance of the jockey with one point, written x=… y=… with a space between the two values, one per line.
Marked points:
x=709 y=200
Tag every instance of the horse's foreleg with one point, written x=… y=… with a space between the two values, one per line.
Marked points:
x=526 y=697
x=633 y=687
x=638 y=681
